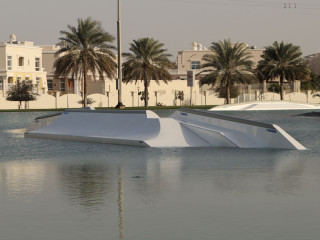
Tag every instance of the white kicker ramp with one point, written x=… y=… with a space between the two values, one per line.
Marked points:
x=185 y=128
x=225 y=131
x=266 y=106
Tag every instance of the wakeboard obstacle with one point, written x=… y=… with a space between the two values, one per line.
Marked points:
x=266 y=106
x=184 y=128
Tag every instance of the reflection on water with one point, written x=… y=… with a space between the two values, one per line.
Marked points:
x=18 y=133
x=21 y=180
x=288 y=175
x=120 y=203
x=87 y=185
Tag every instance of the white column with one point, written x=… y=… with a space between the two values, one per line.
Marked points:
x=76 y=85
x=5 y=85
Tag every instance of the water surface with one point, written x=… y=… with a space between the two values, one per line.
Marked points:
x=69 y=190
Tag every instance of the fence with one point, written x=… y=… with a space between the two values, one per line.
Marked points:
x=162 y=94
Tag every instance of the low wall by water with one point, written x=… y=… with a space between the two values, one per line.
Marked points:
x=269 y=96
x=159 y=94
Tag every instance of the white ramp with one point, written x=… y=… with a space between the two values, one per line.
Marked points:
x=185 y=128
x=266 y=106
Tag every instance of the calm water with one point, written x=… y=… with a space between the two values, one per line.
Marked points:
x=55 y=190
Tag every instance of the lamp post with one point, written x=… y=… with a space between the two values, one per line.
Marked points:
x=119 y=105
x=138 y=95
x=192 y=80
x=273 y=93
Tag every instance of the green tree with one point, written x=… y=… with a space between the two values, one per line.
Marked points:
x=147 y=61
x=222 y=92
x=143 y=95
x=85 y=49
x=228 y=65
x=274 y=87
x=283 y=61
x=313 y=84
x=21 y=91
x=180 y=96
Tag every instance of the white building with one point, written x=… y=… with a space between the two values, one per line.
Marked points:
x=21 y=61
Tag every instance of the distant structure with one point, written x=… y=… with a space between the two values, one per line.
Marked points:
x=192 y=59
x=198 y=47
x=21 y=60
x=13 y=38
x=313 y=61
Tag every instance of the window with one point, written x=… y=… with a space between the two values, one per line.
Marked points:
x=38 y=80
x=10 y=80
x=21 y=61
x=18 y=79
x=1 y=84
x=37 y=64
x=195 y=65
x=50 y=84
x=62 y=86
x=9 y=62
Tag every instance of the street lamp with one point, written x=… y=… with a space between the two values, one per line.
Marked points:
x=119 y=105
x=193 y=76
x=138 y=94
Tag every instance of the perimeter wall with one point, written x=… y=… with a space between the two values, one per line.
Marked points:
x=163 y=94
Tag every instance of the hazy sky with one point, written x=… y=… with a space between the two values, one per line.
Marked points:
x=176 y=23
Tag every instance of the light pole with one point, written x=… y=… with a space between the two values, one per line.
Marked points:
x=119 y=105
x=273 y=93
x=192 y=80
x=138 y=95
x=67 y=80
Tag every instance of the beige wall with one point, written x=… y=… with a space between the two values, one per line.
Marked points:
x=28 y=53
x=48 y=58
x=256 y=55
x=185 y=58
x=165 y=95
x=3 y=59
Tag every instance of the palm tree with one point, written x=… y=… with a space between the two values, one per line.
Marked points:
x=227 y=65
x=147 y=61
x=284 y=61
x=83 y=49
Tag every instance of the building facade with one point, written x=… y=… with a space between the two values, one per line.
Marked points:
x=21 y=61
x=192 y=59
x=68 y=84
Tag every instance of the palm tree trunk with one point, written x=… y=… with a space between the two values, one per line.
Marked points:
x=228 y=92
x=84 y=85
x=281 y=88
x=146 y=94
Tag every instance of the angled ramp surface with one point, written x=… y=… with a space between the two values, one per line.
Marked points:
x=185 y=128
